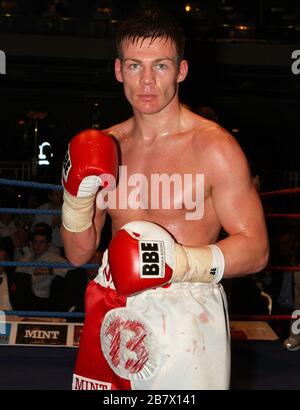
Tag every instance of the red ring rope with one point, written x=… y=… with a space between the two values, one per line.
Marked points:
x=263 y=317
x=281 y=192
x=283 y=268
x=285 y=216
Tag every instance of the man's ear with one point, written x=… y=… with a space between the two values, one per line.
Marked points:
x=118 y=70
x=183 y=70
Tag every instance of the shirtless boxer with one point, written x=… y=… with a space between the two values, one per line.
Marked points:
x=168 y=330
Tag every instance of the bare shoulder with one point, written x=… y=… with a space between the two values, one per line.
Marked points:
x=121 y=130
x=211 y=135
x=219 y=150
x=213 y=140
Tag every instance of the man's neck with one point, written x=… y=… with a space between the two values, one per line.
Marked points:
x=168 y=121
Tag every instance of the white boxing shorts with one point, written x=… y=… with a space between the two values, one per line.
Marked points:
x=169 y=338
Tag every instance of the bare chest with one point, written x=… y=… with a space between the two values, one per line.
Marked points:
x=167 y=184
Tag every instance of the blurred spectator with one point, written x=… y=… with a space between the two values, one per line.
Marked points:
x=51 y=246
x=14 y=289
x=54 y=221
x=4 y=286
x=7 y=225
x=16 y=229
x=29 y=201
x=292 y=343
x=21 y=241
x=24 y=247
x=41 y=278
x=281 y=284
x=286 y=285
x=287 y=257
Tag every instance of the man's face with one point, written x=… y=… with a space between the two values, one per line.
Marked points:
x=150 y=73
x=39 y=245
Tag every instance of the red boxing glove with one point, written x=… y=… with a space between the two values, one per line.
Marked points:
x=91 y=159
x=141 y=257
x=90 y=163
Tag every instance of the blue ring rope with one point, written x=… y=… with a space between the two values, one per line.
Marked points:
x=55 y=265
x=40 y=185
x=25 y=313
x=28 y=313
x=25 y=211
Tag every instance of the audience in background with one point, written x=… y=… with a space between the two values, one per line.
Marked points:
x=4 y=284
x=41 y=278
x=54 y=221
x=280 y=285
x=14 y=288
x=24 y=249
x=7 y=225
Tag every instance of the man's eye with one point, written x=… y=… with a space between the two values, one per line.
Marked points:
x=161 y=66
x=134 y=66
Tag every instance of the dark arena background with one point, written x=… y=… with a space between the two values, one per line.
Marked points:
x=57 y=78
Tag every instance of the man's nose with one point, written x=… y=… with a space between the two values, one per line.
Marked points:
x=148 y=76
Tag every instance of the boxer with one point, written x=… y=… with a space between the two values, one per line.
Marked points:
x=156 y=314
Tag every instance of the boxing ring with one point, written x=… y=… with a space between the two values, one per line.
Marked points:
x=39 y=354
x=256 y=365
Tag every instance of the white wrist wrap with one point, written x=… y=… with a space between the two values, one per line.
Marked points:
x=205 y=264
x=218 y=263
x=77 y=213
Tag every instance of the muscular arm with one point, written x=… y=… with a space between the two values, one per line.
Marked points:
x=238 y=207
x=80 y=247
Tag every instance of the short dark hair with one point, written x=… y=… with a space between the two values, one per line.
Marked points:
x=151 y=24
x=42 y=232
